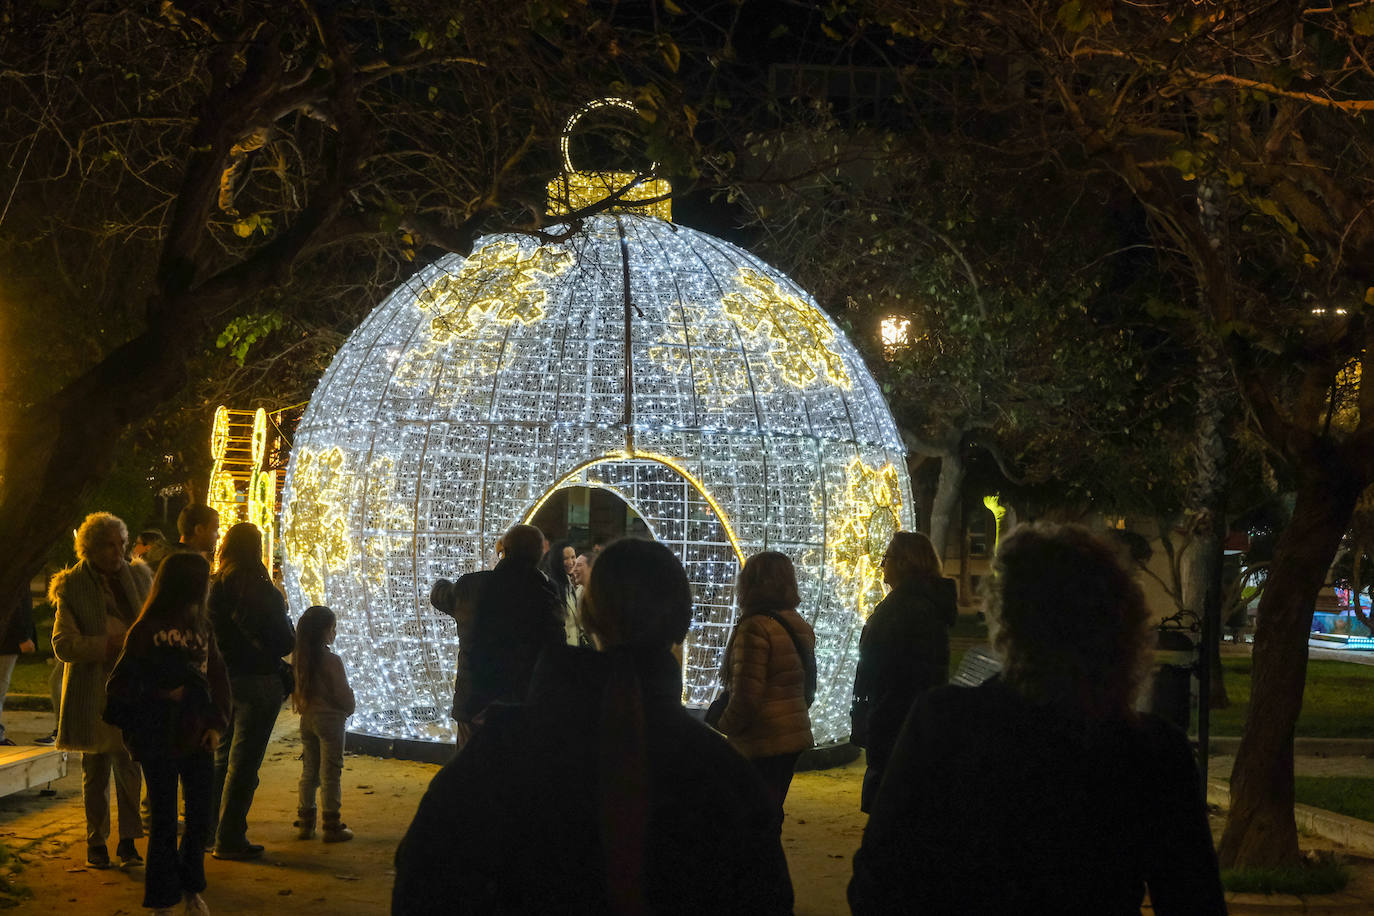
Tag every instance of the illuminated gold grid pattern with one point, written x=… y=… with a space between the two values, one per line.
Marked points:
x=576 y=190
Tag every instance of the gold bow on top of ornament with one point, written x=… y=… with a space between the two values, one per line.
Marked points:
x=576 y=189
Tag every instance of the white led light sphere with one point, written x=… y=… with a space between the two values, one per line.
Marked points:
x=697 y=383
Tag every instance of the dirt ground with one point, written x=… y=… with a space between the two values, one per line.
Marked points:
x=45 y=836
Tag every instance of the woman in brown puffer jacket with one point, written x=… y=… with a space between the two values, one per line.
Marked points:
x=769 y=669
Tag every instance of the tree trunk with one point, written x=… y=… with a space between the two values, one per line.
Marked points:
x=1207 y=504
x=946 y=499
x=1217 y=697
x=1356 y=586
x=1211 y=559
x=55 y=451
x=1362 y=534
x=922 y=488
x=965 y=579
x=1260 y=830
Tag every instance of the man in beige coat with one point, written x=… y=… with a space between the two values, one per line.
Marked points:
x=96 y=601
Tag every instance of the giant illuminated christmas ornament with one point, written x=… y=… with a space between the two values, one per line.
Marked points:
x=678 y=371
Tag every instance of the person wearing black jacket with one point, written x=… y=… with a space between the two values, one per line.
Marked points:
x=17 y=638
x=601 y=793
x=1042 y=790
x=249 y=616
x=903 y=650
x=459 y=601
x=517 y=616
x=169 y=694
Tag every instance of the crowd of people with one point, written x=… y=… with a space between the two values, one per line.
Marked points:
x=581 y=784
x=1042 y=789
x=171 y=680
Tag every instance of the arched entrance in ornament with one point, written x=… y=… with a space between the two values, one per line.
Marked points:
x=584 y=517
x=680 y=514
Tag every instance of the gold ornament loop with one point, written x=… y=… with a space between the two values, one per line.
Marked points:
x=594 y=105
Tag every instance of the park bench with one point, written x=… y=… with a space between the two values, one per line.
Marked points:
x=976 y=667
x=29 y=767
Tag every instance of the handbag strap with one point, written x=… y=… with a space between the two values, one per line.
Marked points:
x=808 y=659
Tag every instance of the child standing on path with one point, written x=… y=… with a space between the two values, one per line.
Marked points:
x=325 y=701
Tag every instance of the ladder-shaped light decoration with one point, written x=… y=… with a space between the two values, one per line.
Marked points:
x=241 y=490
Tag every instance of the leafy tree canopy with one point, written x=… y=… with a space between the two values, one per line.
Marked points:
x=1032 y=298
x=1241 y=130
x=253 y=174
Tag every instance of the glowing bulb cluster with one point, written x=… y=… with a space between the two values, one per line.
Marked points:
x=730 y=413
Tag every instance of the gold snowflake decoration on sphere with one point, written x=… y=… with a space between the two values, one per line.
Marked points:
x=314 y=532
x=799 y=336
x=862 y=519
x=498 y=282
x=704 y=347
x=388 y=519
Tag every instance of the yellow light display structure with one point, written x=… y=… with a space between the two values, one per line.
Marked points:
x=241 y=488
x=678 y=371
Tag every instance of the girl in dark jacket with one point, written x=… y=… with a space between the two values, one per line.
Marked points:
x=169 y=694
x=903 y=651
x=249 y=617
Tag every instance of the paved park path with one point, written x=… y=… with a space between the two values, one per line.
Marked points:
x=46 y=838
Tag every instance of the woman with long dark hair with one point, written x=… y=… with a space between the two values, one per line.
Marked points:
x=169 y=693
x=600 y=794
x=249 y=616
x=1043 y=790
x=557 y=565
x=903 y=650
x=770 y=672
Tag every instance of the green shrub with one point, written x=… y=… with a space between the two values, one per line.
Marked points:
x=1352 y=796
x=1325 y=876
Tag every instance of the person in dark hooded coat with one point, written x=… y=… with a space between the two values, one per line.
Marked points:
x=600 y=794
x=903 y=651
